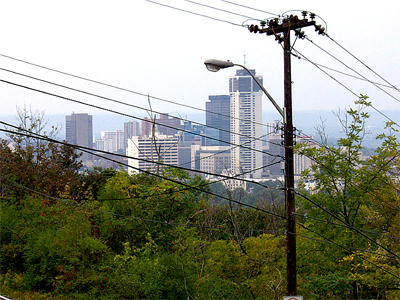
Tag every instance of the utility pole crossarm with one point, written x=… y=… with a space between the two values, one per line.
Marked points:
x=286 y=26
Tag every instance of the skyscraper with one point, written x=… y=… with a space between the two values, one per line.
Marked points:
x=131 y=128
x=246 y=119
x=166 y=125
x=79 y=131
x=218 y=116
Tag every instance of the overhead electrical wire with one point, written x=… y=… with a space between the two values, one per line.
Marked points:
x=123 y=114
x=327 y=35
x=253 y=149
x=252 y=8
x=194 y=13
x=79 y=147
x=346 y=74
x=341 y=225
x=348 y=249
x=85 y=149
x=72 y=203
x=134 y=106
x=347 y=66
x=127 y=90
x=329 y=241
x=347 y=88
x=345 y=223
x=93 y=152
x=223 y=10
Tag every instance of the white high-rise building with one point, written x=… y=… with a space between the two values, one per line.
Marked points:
x=161 y=148
x=111 y=141
x=246 y=120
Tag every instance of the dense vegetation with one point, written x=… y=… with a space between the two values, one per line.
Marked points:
x=104 y=234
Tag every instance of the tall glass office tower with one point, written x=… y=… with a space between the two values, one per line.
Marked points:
x=218 y=116
x=246 y=120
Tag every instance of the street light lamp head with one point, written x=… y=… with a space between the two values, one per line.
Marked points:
x=214 y=65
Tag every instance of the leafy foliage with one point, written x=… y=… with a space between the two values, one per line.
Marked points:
x=104 y=234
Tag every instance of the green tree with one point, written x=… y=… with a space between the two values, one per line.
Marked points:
x=349 y=193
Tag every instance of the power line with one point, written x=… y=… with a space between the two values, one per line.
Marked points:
x=366 y=79
x=229 y=149
x=194 y=13
x=351 y=249
x=361 y=62
x=86 y=149
x=255 y=9
x=358 y=96
x=240 y=146
x=223 y=10
x=341 y=225
x=124 y=114
x=346 y=74
x=345 y=223
x=89 y=150
x=131 y=105
x=330 y=242
x=235 y=177
x=124 y=89
x=37 y=136
x=71 y=202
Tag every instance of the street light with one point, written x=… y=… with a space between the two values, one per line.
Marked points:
x=214 y=65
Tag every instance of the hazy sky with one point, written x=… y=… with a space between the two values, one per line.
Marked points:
x=160 y=51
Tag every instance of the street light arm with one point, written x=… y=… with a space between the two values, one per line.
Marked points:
x=264 y=90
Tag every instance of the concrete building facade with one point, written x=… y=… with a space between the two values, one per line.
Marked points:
x=161 y=148
x=246 y=124
x=79 y=131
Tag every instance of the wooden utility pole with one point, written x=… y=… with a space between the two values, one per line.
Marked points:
x=275 y=27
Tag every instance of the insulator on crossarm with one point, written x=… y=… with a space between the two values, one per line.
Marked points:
x=304 y=14
x=321 y=31
x=274 y=23
x=299 y=33
x=254 y=28
x=317 y=27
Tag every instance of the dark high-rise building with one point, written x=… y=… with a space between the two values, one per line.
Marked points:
x=164 y=125
x=218 y=110
x=79 y=131
x=131 y=129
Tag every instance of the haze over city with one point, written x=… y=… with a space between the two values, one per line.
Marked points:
x=159 y=51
